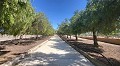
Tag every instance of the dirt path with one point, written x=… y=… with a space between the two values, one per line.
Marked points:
x=55 y=52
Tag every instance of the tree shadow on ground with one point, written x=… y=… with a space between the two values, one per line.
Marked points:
x=16 y=42
x=73 y=40
x=24 y=41
x=112 y=61
x=43 y=59
x=3 y=52
x=93 y=51
x=56 y=40
x=86 y=47
x=60 y=45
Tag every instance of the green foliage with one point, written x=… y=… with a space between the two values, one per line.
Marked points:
x=103 y=15
x=77 y=22
x=64 y=28
x=41 y=25
x=74 y=21
x=100 y=16
x=49 y=31
x=17 y=17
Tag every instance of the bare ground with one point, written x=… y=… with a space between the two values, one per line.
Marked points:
x=12 y=50
x=110 y=52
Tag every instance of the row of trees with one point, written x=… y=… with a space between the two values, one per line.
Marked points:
x=41 y=25
x=17 y=17
x=100 y=16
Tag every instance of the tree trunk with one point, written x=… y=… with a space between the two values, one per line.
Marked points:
x=21 y=36
x=76 y=37
x=95 y=38
x=36 y=36
x=20 y=39
x=70 y=36
x=67 y=36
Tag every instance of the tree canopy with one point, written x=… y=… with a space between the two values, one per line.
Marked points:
x=18 y=16
x=41 y=25
x=100 y=16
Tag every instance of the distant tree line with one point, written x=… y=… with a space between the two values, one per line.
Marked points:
x=99 y=17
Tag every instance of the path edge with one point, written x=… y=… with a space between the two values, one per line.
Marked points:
x=93 y=61
x=17 y=59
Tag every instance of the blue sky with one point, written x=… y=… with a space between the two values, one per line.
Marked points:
x=57 y=10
